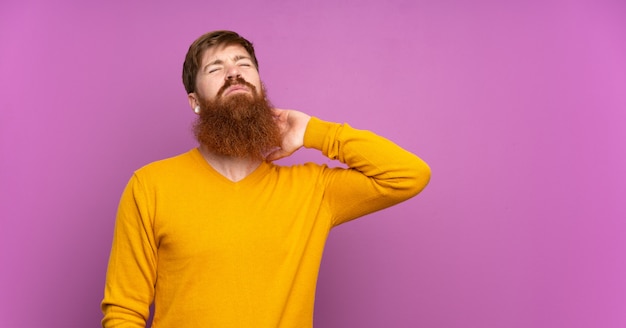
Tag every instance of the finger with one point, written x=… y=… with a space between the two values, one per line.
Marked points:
x=278 y=154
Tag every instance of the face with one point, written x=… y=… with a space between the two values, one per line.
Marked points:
x=219 y=65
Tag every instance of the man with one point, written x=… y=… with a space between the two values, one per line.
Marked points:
x=222 y=237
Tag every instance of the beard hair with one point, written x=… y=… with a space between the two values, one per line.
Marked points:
x=240 y=125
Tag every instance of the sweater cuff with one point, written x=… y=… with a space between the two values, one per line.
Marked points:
x=316 y=132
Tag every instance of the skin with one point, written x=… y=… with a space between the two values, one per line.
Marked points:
x=220 y=64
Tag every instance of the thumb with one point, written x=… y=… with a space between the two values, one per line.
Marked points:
x=276 y=155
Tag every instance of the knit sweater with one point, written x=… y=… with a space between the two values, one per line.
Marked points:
x=210 y=252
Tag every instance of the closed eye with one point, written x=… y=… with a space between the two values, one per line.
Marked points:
x=245 y=63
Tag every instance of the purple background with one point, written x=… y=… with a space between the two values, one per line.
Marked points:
x=519 y=108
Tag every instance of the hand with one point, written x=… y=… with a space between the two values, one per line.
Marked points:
x=292 y=125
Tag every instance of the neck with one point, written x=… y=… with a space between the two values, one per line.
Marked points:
x=232 y=168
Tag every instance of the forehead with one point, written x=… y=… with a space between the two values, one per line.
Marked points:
x=223 y=52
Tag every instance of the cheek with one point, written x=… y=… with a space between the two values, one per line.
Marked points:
x=210 y=89
x=214 y=87
x=255 y=80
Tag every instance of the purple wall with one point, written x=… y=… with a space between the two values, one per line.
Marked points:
x=519 y=107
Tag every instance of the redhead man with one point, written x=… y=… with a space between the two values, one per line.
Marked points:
x=220 y=236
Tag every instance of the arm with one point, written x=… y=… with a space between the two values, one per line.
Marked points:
x=131 y=273
x=381 y=173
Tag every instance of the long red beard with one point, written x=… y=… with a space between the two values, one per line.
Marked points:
x=239 y=125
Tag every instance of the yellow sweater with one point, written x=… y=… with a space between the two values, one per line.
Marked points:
x=215 y=253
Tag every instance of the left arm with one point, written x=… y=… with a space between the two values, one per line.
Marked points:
x=381 y=173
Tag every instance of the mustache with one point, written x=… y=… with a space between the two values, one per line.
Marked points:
x=236 y=81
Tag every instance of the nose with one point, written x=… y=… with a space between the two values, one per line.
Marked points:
x=232 y=72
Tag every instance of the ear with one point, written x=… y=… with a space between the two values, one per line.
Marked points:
x=193 y=100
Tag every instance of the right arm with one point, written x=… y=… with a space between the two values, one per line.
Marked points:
x=131 y=274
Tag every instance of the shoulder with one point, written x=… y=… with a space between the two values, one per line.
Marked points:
x=168 y=166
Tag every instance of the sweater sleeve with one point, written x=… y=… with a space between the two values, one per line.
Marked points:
x=131 y=274
x=380 y=173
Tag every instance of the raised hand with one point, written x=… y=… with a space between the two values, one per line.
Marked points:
x=292 y=125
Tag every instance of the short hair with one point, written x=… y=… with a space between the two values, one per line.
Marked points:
x=193 y=59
